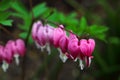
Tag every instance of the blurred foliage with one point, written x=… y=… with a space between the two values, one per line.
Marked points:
x=91 y=23
x=4 y=14
x=69 y=20
x=107 y=54
x=41 y=11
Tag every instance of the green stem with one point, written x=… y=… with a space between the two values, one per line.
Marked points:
x=26 y=42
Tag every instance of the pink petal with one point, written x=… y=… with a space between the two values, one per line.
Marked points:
x=41 y=36
x=58 y=33
x=87 y=46
x=1 y=53
x=35 y=28
x=63 y=43
x=20 y=45
x=8 y=55
x=73 y=46
x=49 y=33
x=88 y=60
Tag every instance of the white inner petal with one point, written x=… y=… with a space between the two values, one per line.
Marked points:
x=16 y=56
x=75 y=59
x=5 y=66
x=48 y=48
x=38 y=46
x=81 y=64
x=41 y=47
x=62 y=56
x=89 y=61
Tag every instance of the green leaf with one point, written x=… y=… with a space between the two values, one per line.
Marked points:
x=114 y=40
x=47 y=13
x=4 y=15
x=82 y=26
x=19 y=7
x=39 y=10
x=61 y=18
x=27 y=23
x=72 y=15
x=101 y=36
x=4 y=5
x=23 y=35
x=7 y=22
x=98 y=31
x=83 y=23
x=18 y=15
x=54 y=16
x=70 y=19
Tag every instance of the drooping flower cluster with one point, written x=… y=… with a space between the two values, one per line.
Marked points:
x=69 y=46
x=13 y=49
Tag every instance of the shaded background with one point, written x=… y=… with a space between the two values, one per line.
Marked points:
x=41 y=66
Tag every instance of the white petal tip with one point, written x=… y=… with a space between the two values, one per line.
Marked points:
x=5 y=66
x=62 y=56
x=43 y=47
x=89 y=61
x=16 y=56
x=75 y=60
x=38 y=46
x=81 y=64
x=48 y=48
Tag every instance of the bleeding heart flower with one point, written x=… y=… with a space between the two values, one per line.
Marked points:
x=63 y=43
x=43 y=35
x=63 y=48
x=35 y=28
x=6 y=54
x=11 y=49
x=87 y=47
x=73 y=46
x=38 y=35
x=49 y=33
x=6 y=57
x=58 y=33
x=17 y=47
x=69 y=47
x=20 y=45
